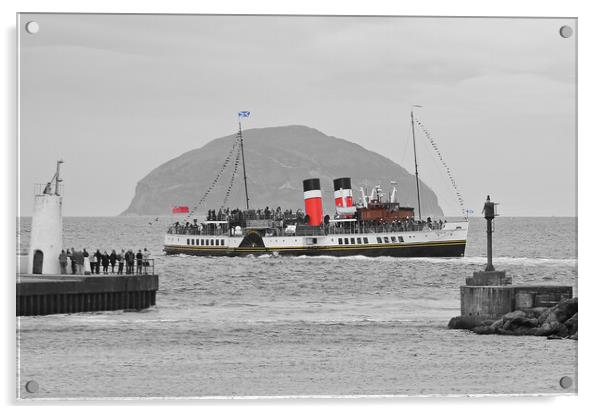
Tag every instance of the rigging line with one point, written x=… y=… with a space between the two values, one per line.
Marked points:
x=427 y=133
x=212 y=185
x=234 y=173
x=216 y=179
x=424 y=147
x=447 y=196
x=448 y=171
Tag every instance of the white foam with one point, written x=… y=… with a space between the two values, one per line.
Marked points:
x=459 y=260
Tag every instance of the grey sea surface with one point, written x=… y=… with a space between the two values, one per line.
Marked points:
x=273 y=326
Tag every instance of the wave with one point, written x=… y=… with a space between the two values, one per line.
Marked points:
x=451 y=260
x=522 y=260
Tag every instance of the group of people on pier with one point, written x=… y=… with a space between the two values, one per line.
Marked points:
x=81 y=262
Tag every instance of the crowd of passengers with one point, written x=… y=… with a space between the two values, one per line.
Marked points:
x=237 y=217
x=259 y=214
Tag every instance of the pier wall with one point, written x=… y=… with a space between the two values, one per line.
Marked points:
x=491 y=302
x=44 y=295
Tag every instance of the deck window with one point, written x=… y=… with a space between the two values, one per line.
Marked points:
x=352 y=240
x=197 y=242
x=188 y=241
x=212 y=242
x=394 y=239
x=400 y=239
x=379 y=240
x=365 y=240
x=359 y=240
x=222 y=242
x=340 y=241
x=386 y=240
x=346 y=240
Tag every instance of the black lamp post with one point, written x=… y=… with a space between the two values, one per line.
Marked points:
x=489 y=209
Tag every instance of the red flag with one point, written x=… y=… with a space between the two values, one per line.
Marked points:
x=180 y=209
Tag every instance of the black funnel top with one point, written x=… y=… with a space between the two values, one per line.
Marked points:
x=344 y=183
x=311 y=184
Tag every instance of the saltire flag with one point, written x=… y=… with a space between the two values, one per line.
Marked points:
x=244 y=114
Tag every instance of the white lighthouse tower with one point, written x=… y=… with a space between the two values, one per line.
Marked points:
x=47 y=227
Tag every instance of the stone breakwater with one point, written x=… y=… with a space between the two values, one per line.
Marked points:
x=557 y=322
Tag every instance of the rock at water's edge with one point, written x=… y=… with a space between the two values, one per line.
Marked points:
x=557 y=322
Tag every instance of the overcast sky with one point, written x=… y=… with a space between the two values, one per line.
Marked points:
x=116 y=96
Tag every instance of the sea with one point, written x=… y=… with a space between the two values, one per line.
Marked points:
x=302 y=326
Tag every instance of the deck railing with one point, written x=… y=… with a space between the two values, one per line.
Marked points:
x=347 y=228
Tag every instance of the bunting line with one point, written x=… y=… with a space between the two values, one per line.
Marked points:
x=445 y=166
x=203 y=198
x=231 y=183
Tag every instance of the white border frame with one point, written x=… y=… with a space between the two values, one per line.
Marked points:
x=589 y=196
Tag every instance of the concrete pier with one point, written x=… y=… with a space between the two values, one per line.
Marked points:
x=493 y=302
x=489 y=295
x=45 y=295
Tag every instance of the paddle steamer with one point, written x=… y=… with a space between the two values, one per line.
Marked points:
x=375 y=226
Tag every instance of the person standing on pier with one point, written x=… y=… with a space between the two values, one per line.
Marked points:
x=87 y=266
x=98 y=256
x=112 y=260
x=139 y=262
x=146 y=258
x=129 y=262
x=78 y=259
x=93 y=263
x=105 y=263
x=120 y=259
x=63 y=262
x=71 y=256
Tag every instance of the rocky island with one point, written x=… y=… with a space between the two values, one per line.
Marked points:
x=277 y=160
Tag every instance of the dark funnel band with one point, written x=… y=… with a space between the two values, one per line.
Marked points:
x=311 y=184
x=344 y=183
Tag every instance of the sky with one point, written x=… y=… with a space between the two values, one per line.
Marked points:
x=115 y=96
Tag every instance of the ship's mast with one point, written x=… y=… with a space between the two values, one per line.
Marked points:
x=244 y=170
x=416 y=160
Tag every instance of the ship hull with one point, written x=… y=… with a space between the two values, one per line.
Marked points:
x=450 y=241
x=436 y=249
